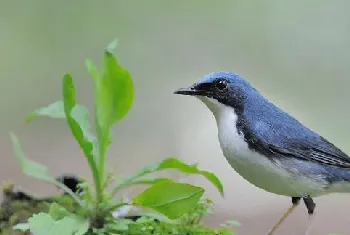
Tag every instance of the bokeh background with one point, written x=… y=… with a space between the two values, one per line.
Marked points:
x=297 y=53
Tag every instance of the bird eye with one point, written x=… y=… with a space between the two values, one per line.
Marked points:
x=221 y=85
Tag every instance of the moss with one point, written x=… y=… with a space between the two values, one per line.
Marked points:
x=17 y=207
x=189 y=224
x=146 y=226
x=15 y=212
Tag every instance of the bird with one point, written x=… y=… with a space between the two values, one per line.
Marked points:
x=269 y=147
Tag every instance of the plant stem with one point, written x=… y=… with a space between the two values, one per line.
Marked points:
x=96 y=178
x=101 y=166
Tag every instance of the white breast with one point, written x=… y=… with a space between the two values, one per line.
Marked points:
x=252 y=166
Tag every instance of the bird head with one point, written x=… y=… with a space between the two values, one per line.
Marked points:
x=220 y=90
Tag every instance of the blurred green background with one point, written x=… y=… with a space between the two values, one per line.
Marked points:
x=297 y=53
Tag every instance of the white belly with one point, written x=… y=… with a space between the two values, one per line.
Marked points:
x=252 y=166
x=268 y=175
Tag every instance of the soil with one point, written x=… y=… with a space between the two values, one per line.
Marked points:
x=16 y=208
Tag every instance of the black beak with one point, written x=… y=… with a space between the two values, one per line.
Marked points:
x=186 y=91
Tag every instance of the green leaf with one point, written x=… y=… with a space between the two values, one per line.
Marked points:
x=43 y=224
x=29 y=167
x=54 y=110
x=151 y=180
x=111 y=46
x=80 y=114
x=77 y=116
x=23 y=227
x=37 y=170
x=170 y=198
x=114 y=93
x=131 y=179
x=92 y=70
x=120 y=87
x=134 y=180
x=171 y=163
x=78 y=121
x=57 y=211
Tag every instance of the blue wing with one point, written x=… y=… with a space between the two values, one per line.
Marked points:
x=271 y=131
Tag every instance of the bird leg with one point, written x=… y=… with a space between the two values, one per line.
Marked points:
x=295 y=201
x=310 y=205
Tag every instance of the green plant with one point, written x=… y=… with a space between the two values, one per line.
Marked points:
x=164 y=199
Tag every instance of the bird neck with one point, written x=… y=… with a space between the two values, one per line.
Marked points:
x=224 y=114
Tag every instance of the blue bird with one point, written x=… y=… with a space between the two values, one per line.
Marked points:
x=268 y=147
